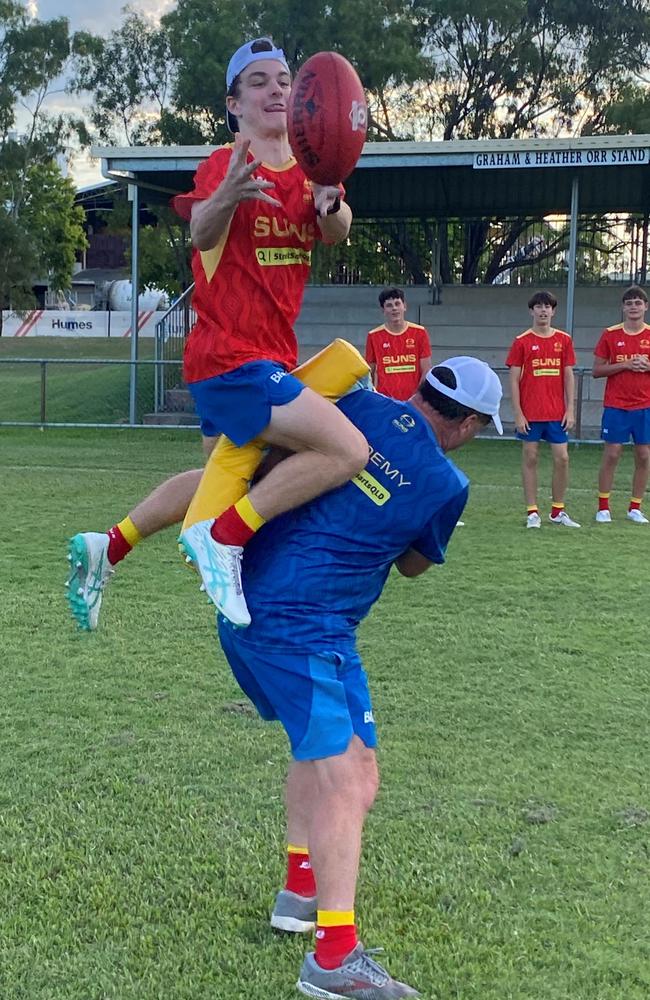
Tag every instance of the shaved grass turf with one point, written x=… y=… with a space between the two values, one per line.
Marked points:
x=141 y=838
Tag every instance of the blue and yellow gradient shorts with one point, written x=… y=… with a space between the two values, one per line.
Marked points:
x=321 y=699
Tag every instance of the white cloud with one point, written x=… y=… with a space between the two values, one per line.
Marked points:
x=100 y=17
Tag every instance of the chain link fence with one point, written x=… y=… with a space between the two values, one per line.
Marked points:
x=86 y=392
x=45 y=392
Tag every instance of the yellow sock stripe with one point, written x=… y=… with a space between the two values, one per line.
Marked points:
x=130 y=532
x=334 y=918
x=248 y=514
x=295 y=849
x=556 y=504
x=636 y=499
x=531 y=508
x=603 y=496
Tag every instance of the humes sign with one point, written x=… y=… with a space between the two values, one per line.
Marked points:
x=561 y=158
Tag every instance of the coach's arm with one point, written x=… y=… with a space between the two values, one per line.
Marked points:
x=411 y=563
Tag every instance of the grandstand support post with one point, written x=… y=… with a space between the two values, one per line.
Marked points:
x=573 y=248
x=135 y=283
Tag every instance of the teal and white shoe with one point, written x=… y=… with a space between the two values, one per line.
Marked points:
x=219 y=567
x=90 y=571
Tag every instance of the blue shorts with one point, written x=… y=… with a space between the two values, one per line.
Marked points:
x=238 y=403
x=545 y=430
x=321 y=699
x=618 y=426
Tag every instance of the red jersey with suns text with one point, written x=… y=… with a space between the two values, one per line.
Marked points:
x=397 y=357
x=249 y=287
x=543 y=361
x=626 y=390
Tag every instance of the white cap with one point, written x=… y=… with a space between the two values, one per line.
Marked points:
x=242 y=58
x=477 y=386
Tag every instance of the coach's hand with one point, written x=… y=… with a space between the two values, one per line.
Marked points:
x=640 y=363
x=569 y=420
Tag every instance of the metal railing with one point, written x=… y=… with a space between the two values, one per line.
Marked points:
x=171 y=332
x=91 y=392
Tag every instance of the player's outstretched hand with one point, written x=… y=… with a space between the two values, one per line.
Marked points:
x=240 y=184
x=325 y=197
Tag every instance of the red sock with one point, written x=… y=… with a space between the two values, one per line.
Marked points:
x=635 y=503
x=118 y=547
x=603 y=501
x=300 y=875
x=334 y=943
x=556 y=509
x=231 y=529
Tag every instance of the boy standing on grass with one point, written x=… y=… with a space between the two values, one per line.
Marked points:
x=542 y=387
x=398 y=352
x=622 y=356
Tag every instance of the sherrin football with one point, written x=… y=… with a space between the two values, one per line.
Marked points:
x=327 y=118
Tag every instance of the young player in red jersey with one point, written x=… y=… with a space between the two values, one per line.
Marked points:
x=622 y=356
x=254 y=218
x=543 y=392
x=398 y=352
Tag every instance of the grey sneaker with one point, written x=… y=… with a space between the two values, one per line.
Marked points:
x=219 y=567
x=89 y=573
x=359 y=977
x=293 y=913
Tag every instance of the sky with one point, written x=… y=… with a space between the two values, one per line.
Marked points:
x=100 y=17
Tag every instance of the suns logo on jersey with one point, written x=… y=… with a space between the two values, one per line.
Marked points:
x=410 y=342
x=557 y=346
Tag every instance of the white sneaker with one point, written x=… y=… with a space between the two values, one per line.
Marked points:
x=603 y=516
x=90 y=571
x=460 y=524
x=220 y=569
x=533 y=520
x=563 y=518
x=637 y=517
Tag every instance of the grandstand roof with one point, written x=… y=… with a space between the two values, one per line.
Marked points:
x=458 y=179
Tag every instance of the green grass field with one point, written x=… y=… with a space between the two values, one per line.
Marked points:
x=75 y=393
x=141 y=840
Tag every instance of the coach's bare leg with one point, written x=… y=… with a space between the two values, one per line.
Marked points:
x=560 y=480
x=168 y=503
x=611 y=455
x=344 y=789
x=529 y=471
x=641 y=469
x=329 y=451
x=299 y=801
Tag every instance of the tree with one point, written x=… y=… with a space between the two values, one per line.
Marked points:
x=40 y=228
x=129 y=75
x=451 y=69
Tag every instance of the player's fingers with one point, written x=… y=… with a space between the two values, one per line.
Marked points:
x=261 y=196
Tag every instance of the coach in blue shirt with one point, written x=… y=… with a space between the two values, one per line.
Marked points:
x=310 y=577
